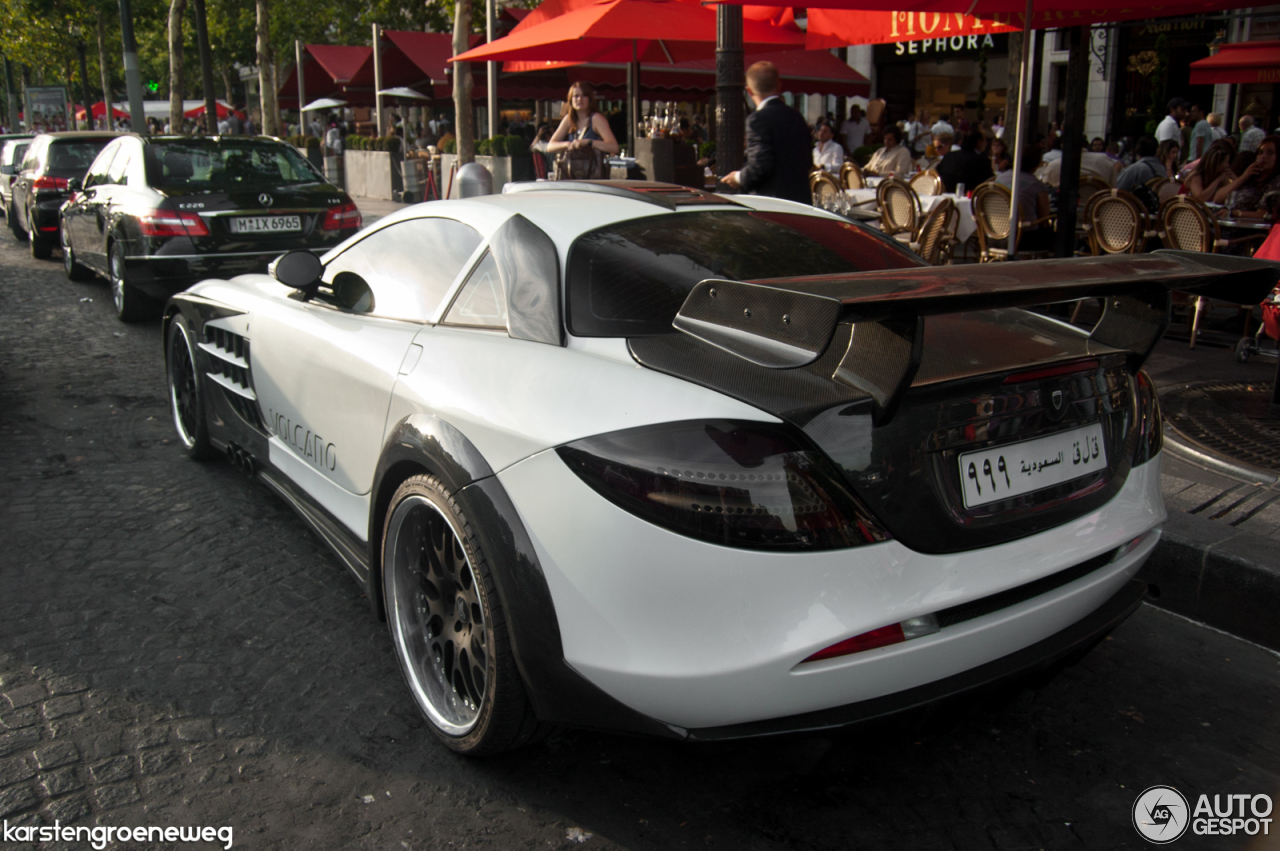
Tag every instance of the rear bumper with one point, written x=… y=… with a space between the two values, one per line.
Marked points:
x=1060 y=649
x=161 y=276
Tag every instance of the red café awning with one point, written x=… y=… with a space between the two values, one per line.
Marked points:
x=1246 y=62
x=331 y=67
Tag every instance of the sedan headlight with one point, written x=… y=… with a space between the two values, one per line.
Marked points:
x=739 y=484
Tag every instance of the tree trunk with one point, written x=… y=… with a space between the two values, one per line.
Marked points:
x=464 y=129
x=176 y=10
x=266 y=83
x=224 y=70
x=104 y=71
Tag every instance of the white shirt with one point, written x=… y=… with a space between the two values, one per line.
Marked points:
x=854 y=133
x=911 y=130
x=1168 y=130
x=224 y=127
x=829 y=155
x=1051 y=155
x=998 y=130
x=1252 y=138
x=941 y=126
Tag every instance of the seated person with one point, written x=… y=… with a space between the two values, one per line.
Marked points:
x=1258 y=180
x=827 y=154
x=1211 y=178
x=968 y=165
x=940 y=147
x=1092 y=164
x=893 y=158
x=1033 y=201
x=1146 y=168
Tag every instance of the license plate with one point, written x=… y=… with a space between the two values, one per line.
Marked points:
x=989 y=475
x=266 y=224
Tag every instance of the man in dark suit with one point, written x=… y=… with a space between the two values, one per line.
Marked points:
x=778 y=142
x=969 y=165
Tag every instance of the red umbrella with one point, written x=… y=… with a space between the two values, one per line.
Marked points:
x=651 y=31
x=222 y=109
x=99 y=109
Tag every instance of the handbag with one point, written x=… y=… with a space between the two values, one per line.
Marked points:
x=580 y=164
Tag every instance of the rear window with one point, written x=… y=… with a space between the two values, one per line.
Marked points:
x=70 y=159
x=629 y=279
x=226 y=164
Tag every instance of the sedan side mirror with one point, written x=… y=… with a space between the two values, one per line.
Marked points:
x=298 y=269
x=75 y=184
x=7 y=169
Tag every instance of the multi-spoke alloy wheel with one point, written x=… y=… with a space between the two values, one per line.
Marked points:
x=447 y=624
x=184 y=392
x=437 y=616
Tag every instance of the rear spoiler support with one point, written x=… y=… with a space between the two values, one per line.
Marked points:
x=785 y=323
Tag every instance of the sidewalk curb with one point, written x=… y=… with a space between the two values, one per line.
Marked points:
x=1214 y=573
x=1187 y=449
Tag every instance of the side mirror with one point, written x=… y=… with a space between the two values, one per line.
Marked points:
x=297 y=269
x=75 y=184
x=7 y=169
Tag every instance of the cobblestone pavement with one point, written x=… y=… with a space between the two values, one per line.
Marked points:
x=176 y=648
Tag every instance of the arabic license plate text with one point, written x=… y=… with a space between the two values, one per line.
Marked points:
x=989 y=475
x=266 y=224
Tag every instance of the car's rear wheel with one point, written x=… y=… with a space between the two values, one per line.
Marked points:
x=41 y=248
x=18 y=232
x=448 y=626
x=184 y=392
x=74 y=270
x=131 y=305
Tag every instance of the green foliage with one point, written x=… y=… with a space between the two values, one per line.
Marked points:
x=484 y=148
x=516 y=145
x=862 y=155
x=392 y=144
x=450 y=147
x=706 y=149
x=312 y=143
x=298 y=141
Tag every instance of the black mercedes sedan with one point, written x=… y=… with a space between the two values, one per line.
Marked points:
x=155 y=215
x=43 y=182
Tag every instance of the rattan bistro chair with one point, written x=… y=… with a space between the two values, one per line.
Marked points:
x=926 y=183
x=991 y=207
x=1164 y=188
x=899 y=208
x=826 y=190
x=937 y=234
x=1187 y=225
x=1117 y=223
x=851 y=176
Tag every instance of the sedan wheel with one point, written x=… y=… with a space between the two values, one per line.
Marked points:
x=184 y=392
x=446 y=624
x=131 y=305
x=74 y=270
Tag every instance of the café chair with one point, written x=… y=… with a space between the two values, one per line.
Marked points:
x=1117 y=223
x=937 y=235
x=1164 y=188
x=899 y=208
x=827 y=192
x=851 y=176
x=926 y=183
x=991 y=208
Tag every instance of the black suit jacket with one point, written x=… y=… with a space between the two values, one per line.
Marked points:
x=967 y=167
x=779 y=154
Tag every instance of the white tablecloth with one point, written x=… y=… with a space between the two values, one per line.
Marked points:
x=964 y=230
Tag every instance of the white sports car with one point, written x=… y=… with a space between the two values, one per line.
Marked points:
x=636 y=457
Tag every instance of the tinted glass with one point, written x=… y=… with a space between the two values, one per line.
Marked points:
x=119 y=168
x=227 y=163
x=70 y=159
x=482 y=302
x=408 y=266
x=98 y=171
x=629 y=279
x=14 y=151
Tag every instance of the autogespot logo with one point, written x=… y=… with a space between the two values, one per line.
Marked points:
x=1160 y=814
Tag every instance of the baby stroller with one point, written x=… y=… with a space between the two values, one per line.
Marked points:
x=1250 y=346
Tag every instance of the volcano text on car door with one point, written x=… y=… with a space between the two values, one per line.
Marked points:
x=324 y=369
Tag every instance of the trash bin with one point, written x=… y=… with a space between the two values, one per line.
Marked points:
x=474 y=179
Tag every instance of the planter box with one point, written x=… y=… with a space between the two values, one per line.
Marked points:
x=369 y=174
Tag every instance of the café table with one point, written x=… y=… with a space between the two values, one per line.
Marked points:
x=965 y=228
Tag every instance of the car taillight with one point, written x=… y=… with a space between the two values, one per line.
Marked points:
x=60 y=183
x=341 y=218
x=894 y=633
x=164 y=223
x=1147 y=422
x=738 y=484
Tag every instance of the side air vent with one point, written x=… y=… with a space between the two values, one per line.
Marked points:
x=229 y=369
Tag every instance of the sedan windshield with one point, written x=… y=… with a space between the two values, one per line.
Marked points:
x=225 y=164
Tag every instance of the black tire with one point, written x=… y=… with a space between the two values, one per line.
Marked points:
x=74 y=270
x=1244 y=349
x=444 y=613
x=18 y=233
x=131 y=305
x=186 y=399
x=41 y=248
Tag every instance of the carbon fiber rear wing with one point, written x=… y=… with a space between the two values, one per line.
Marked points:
x=785 y=323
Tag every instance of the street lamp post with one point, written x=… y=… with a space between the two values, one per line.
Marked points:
x=729 y=83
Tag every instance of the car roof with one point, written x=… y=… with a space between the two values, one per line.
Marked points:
x=82 y=134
